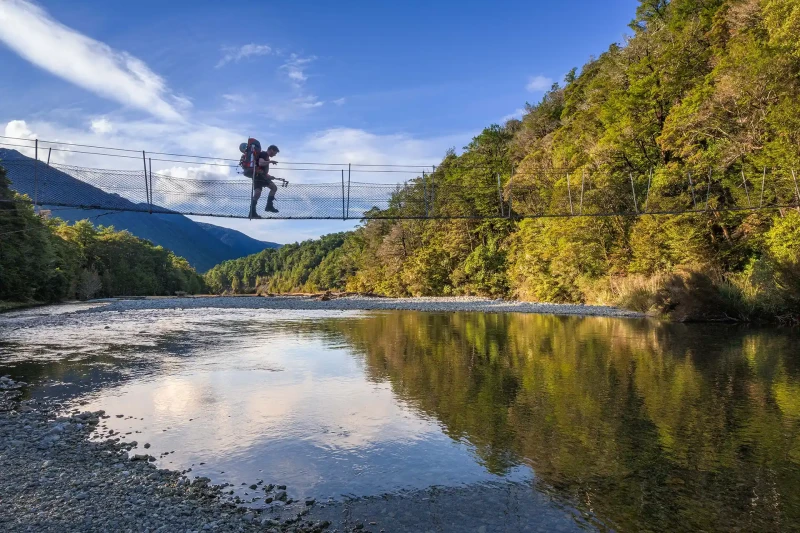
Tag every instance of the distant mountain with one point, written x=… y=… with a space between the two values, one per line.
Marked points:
x=203 y=245
x=237 y=240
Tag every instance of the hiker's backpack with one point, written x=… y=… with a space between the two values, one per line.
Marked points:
x=250 y=152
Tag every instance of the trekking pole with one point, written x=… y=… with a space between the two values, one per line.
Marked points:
x=253 y=164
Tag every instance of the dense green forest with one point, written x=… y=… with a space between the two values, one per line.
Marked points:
x=49 y=260
x=705 y=88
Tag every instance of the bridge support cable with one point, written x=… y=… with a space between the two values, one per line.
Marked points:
x=746 y=191
x=146 y=188
x=633 y=190
x=150 y=172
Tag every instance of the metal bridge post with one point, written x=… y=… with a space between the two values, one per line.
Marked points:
x=583 y=180
x=796 y=189
x=633 y=190
x=691 y=186
x=647 y=194
x=146 y=189
x=150 y=171
x=708 y=189
x=348 y=190
x=763 y=179
x=343 y=199
x=49 y=150
x=569 y=194
x=433 y=188
x=36 y=176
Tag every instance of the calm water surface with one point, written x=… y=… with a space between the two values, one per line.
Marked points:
x=627 y=424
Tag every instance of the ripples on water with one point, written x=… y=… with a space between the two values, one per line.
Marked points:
x=639 y=425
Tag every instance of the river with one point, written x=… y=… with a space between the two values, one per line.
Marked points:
x=514 y=421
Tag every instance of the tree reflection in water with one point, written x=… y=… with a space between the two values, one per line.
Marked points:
x=651 y=427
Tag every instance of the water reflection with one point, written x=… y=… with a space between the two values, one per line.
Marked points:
x=650 y=427
x=642 y=426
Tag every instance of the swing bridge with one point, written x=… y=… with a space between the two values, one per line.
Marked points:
x=423 y=192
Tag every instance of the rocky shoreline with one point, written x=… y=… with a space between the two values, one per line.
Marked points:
x=53 y=478
x=366 y=303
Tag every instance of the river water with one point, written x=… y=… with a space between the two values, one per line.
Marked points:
x=577 y=423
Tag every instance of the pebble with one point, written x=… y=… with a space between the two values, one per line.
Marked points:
x=81 y=485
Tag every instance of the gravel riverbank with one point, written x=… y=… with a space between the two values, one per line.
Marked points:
x=53 y=478
x=370 y=303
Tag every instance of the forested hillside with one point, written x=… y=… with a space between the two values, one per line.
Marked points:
x=707 y=88
x=49 y=260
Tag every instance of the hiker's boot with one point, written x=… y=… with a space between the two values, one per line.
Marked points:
x=270 y=207
x=253 y=213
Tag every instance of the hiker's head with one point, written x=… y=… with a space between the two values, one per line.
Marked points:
x=272 y=151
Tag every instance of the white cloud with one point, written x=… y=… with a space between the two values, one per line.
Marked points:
x=538 y=84
x=351 y=145
x=170 y=137
x=33 y=34
x=19 y=129
x=308 y=102
x=233 y=54
x=340 y=101
x=101 y=126
x=293 y=108
x=234 y=98
x=295 y=69
x=515 y=115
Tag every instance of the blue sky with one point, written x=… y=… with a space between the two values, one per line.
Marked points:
x=366 y=82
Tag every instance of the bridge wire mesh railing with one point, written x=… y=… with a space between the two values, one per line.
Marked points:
x=523 y=194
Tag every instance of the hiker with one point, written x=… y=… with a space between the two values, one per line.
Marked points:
x=252 y=152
